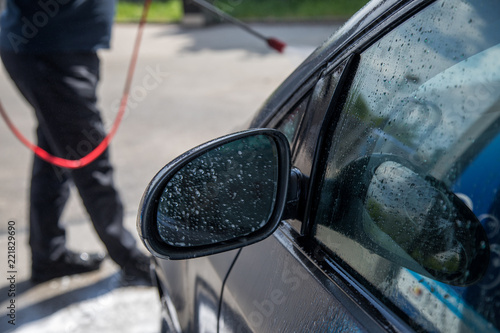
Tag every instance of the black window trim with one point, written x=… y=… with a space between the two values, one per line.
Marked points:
x=331 y=117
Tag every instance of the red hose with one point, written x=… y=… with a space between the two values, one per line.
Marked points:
x=90 y=157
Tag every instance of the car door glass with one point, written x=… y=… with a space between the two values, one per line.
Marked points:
x=426 y=94
x=289 y=125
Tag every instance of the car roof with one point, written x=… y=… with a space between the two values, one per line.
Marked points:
x=367 y=18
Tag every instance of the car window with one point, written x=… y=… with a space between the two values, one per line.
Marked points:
x=426 y=94
x=289 y=125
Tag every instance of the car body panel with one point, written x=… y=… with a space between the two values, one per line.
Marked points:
x=278 y=294
x=192 y=288
x=285 y=290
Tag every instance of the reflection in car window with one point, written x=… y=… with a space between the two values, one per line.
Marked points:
x=428 y=93
x=290 y=123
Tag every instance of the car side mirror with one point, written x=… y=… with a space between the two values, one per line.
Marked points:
x=222 y=195
x=417 y=223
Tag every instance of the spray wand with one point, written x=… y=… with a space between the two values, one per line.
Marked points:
x=272 y=42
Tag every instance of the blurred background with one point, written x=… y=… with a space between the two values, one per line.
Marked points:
x=172 y=11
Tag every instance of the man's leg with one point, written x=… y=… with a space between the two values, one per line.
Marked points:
x=49 y=185
x=81 y=134
x=74 y=128
x=102 y=201
x=49 y=190
x=48 y=195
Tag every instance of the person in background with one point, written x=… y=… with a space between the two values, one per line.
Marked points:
x=49 y=48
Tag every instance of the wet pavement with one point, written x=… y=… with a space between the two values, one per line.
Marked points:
x=191 y=85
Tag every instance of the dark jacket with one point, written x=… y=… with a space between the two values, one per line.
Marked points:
x=48 y=26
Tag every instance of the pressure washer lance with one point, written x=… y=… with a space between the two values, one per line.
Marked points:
x=272 y=42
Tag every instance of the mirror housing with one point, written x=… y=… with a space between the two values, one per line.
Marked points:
x=414 y=221
x=222 y=195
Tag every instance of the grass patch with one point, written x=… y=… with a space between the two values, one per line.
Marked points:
x=168 y=11
x=295 y=9
x=160 y=12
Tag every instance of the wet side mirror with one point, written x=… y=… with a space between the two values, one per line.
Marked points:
x=417 y=223
x=225 y=194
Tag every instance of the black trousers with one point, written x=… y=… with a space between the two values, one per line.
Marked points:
x=62 y=90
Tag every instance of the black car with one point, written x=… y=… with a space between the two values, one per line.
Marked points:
x=365 y=196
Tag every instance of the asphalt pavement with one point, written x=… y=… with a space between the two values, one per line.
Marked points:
x=191 y=85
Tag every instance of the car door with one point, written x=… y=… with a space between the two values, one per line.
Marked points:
x=421 y=99
x=273 y=286
x=190 y=291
